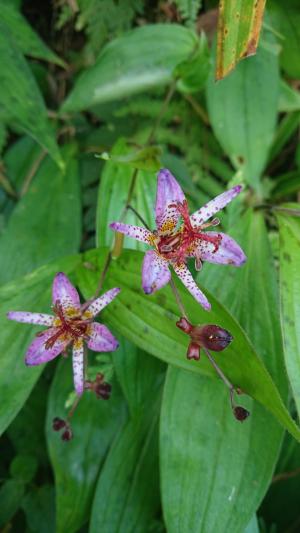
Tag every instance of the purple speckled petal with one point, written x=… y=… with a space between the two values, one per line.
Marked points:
x=215 y=205
x=168 y=192
x=64 y=292
x=155 y=272
x=140 y=234
x=31 y=318
x=37 y=353
x=101 y=339
x=97 y=305
x=78 y=366
x=187 y=279
x=228 y=253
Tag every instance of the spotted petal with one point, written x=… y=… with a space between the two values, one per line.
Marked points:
x=168 y=192
x=187 y=279
x=228 y=252
x=140 y=234
x=97 y=305
x=101 y=339
x=37 y=352
x=78 y=366
x=31 y=318
x=64 y=292
x=215 y=205
x=155 y=272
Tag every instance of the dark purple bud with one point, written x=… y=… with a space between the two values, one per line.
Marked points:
x=58 y=423
x=212 y=337
x=240 y=413
x=193 y=351
x=103 y=390
x=184 y=325
x=67 y=435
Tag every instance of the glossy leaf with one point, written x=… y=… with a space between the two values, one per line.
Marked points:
x=239 y=26
x=127 y=494
x=285 y=17
x=32 y=293
x=143 y=58
x=209 y=459
x=24 y=104
x=76 y=464
x=46 y=223
x=243 y=111
x=112 y=197
x=25 y=37
x=149 y=322
x=289 y=228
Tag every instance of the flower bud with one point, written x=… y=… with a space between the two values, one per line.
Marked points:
x=193 y=351
x=240 y=413
x=212 y=337
x=58 y=423
x=67 y=435
x=184 y=325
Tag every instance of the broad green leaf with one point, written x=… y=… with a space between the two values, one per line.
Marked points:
x=143 y=58
x=286 y=184
x=112 y=197
x=194 y=72
x=214 y=461
x=24 y=104
x=46 y=223
x=252 y=526
x=142 y=159
x=243 y=111
x=149 y=322
x=239 y=26
x=30 y=293
x=77 y=464
x=11 y=493
x=289 y=232
x=38 y=505
x=127 y=494
x=25 y=37
x=285 y=17
x=289 y=98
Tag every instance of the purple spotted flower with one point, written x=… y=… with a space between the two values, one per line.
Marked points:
x=72 y=323
x=179 y=236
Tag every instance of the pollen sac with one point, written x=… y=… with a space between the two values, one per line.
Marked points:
x=103 y=390
x=67 y=435
x=212 y=337
x=184 y=325
x=240 y=413
x=58 y=423
x=193 y=351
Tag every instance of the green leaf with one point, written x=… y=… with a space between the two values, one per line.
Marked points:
x=24 y=104
x=46 y=223
x=39 y=507
x=23 y=467
x=24 y=36
x=76 y=464
x=11 y=494
x=143 y=58
x=286 y=19
x=149 y=322
x=142 y=159
x=239 y=26
x=193 y=73
x=289 y=98
x=31 y=293
x=214 y=458
x=243 y=111
x=188 y=9
x=112 y=197
x=290 y=297
x=127 y=494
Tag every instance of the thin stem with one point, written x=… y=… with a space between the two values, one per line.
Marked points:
x=138 y=216
x=178 y=298
x=198 y=109
x=32 y=172
x=288 y=210
x=220 y=373
x=74 y=405
x=163 y=109
x=286 y=475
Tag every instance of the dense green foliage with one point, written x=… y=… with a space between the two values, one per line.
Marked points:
x=95 y=97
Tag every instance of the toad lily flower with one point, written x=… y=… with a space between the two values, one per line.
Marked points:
x=72 y=323
x=174 y=242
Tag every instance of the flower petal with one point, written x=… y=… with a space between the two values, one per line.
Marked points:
x=215 y=205
x=168 y=192
x=155 y=272
x=97 y=305
x=31 y=318
x=37 y=352
x=187 y=279
x=64 y=292
x=101 y=339
x=140 y=234
x=78 y=366
x=228 y=253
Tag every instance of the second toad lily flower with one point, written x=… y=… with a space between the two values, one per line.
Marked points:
x=174 y=242
x=72 y=323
